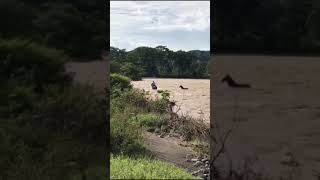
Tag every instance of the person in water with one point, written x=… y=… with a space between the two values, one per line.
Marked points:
x=153 y=85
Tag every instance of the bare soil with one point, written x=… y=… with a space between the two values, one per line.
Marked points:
x=278 y=116
x=170 y=149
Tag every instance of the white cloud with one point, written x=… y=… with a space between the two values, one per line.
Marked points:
x=135 y=23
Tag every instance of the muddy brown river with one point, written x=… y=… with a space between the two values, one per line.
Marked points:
x=194 y=101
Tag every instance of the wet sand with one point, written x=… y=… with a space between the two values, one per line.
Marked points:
x=279 y=115
x=195 y=101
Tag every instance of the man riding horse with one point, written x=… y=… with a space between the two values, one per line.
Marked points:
x=153 y=85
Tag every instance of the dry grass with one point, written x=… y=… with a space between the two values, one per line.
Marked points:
x=189 y=128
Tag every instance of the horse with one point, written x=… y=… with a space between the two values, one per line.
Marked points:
x=234 y=84
x=182 y=87
x=154 y=87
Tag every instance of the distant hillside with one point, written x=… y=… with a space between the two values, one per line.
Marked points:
x=159 y=62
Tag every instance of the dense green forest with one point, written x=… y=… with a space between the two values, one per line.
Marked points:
x=77 y=27
x=268 y=26
x=159 y=62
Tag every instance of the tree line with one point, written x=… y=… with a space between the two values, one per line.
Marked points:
x=269 y=26
x=159 y=62
x=78 y=27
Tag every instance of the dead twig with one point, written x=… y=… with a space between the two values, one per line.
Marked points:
x=222 y=148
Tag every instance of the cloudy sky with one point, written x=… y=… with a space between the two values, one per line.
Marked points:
x=178 y=25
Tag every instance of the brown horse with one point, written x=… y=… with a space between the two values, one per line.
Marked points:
x=182 y=87
x=233 y=84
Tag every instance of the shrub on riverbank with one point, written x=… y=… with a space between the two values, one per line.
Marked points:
x=126 y=137
x=150 y=120
x=121 y=82
x=132 y=112
x=135 y=109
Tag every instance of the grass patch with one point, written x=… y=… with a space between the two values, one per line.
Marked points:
x=122 y=167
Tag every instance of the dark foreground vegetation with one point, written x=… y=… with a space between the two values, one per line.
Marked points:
x=78 y=27
x=132 y=113
x=50 y=127
x=268 y=26
x=159 y=62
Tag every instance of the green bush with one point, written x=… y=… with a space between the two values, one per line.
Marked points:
x=150 y=120
x=161 y=105
x=130 y=111
x=125 y=134
x=130 y=98
x=120 y=81
x=31 y=63
x=78 y=111
x=19 y=100
x=164 y=94
x=126 y=137
x=115 y=67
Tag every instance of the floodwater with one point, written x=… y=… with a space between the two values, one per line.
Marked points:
x=194 y=101
x=277 y=120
